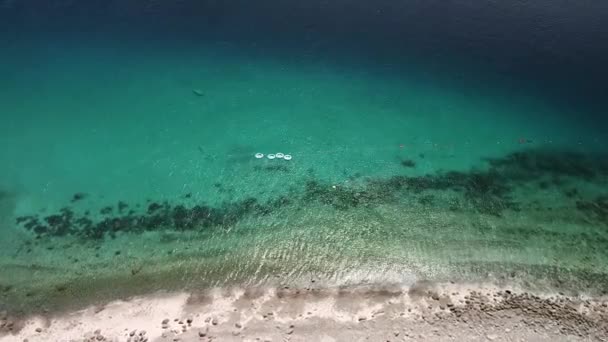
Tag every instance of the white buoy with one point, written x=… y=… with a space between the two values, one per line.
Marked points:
x=280 y=155
x=287 y=157
x=271 y=156
x=259 y=155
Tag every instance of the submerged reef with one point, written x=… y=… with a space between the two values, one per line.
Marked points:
x=489 y=191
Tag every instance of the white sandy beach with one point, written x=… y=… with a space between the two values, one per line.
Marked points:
x=425 y=312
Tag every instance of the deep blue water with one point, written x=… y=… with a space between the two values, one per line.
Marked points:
x=556 y=49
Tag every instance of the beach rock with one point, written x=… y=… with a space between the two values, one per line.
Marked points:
x=214 y=321
x=38 y=330
x=491 y=337
x=238 y=325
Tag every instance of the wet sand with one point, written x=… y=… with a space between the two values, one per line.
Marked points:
x=423 y=312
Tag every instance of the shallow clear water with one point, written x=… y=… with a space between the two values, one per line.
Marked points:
x=430 y=141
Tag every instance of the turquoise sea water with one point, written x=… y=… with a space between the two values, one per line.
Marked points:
x=128 y=163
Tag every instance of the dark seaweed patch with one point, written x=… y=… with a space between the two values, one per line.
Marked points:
x=570 y=193
x=78 y=196
x=58 y=224
x=22 y=219
x=543 y=185
x=408 y=163
x=597 y=208
x=272 y=168
x=533 y=164
x=153 y=207
x=106 y=210
x=488 y=191
x=426 y=200
x=342 y=198
x=158 y=216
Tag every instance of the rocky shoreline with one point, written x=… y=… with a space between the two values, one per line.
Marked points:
x=425 y=311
